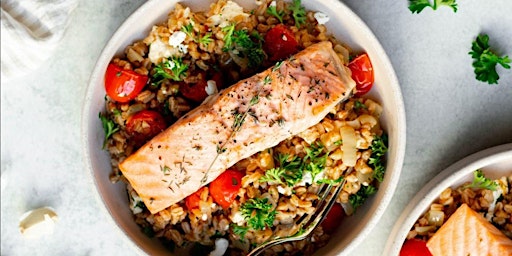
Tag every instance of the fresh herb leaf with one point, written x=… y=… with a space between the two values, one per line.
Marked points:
x=172 y=68
x=485 y=60
x=245 y=45
x=416 y=6
x=289 y=172
x=228 y=37
x=239 y=230
x=481 y=182
x=258 y=212
x=206 y=39
x=359 y=105
x=272 y=10
x=313 y=161
x=189 y=30
x=109 y=127
x=298 y=13
x=360 y=197
x=330 y=181
x=376 y=161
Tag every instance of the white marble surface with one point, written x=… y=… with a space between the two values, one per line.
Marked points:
x=449 y=116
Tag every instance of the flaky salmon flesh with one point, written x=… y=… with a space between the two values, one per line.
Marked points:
x=252 y=115
x=467 y=233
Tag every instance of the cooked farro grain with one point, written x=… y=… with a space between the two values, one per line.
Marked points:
x=348 y=137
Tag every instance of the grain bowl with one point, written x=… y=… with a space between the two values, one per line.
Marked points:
x=194 y=29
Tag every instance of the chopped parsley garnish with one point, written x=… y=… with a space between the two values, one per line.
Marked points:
x=245 y=45
x=316 y=163
x=258 y=213
x=360 y=197
x=481 y=182
x=376 y=161
x=272 y=10
x=189 y=30
x=109 y=127
x=485 y=61
x=289 y=171
x=239 y=230
x=298 y=13
x=359 y=105
x=416 y=6
x=172 y=68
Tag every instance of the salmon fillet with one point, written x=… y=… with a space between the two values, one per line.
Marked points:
x=468 y=233
x=252 y=115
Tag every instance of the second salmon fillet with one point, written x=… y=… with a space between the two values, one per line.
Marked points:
x=252 y=115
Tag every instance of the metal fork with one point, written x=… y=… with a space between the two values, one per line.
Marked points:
x=308 y=222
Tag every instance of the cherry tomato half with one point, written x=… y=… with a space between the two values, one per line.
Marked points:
x=193 y=200
x=225 y=188
x=333 y=219
x=123 y=85
x=280 y=43
x=144 y=125
x=415 y=247
x=197 y=91
x=362 y=73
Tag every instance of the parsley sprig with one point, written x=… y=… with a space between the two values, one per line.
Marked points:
x=298 y=12
x=485 y=61
x=246 y=45
x=289 y=172
x=376 y=160
x=189 y=30
x=416 y=6
x=481 y=182
x=109 y=127
x=172 y=68
x=360 y=197
x=258 y=213
x=272 y=10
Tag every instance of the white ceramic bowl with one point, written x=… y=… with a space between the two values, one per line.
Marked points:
x=495 y=162
x=343 y=23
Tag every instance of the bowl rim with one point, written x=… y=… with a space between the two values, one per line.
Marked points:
x=391 y=178
x=430 y=191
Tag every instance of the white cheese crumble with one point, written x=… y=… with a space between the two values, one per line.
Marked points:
x=321 y=17
x=228 y=12
x=211 y=87
x=159 y=50
x=273 y=4
x=37 y=223
x=237 y=218
x=306 y=179
x=134 y=201
x=177 y=38
x=492 y=207
x=221 y=245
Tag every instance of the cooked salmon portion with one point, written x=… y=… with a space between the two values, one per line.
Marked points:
x=252 y=115
x=468 y=233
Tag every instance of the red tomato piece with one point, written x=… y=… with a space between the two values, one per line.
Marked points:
x=225 y=188
x=123 y=85
x=415 y=247
x=280 y=43
x=333 y=219
x=362 y=73
x=192 y=201
x=196 y=91
x=144 y=125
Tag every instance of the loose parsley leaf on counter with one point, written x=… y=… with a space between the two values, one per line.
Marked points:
x=480 y=181
x=109 y=127
x=416 y=6
x=485 y=60
x=258 y=213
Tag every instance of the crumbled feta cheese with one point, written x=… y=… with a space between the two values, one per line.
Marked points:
x=204 y=217
x=37 y=223
x=211 y=87
x=228 y=12
x=321 y=17
x=492 y=207
x=221 y=245
x=273 y=4
x=237 y=218
x=281 y=190
x=306 y=179
x=159 y=50
x=134 y=201
x=177 y=38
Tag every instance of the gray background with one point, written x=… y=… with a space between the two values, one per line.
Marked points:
x=449 y=116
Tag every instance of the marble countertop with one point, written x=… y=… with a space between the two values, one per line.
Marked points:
x=449 y=115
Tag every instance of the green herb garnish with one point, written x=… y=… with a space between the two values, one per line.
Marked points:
x=298 y=13
x=485 y=60
x=289 y=172
x=109 y=127
x=172 y=68
x=239 y=230
x=481 y=182
x=416 y=6
x=272 y=10
x=258 y=212
x=376 y=161
x=360 y=197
